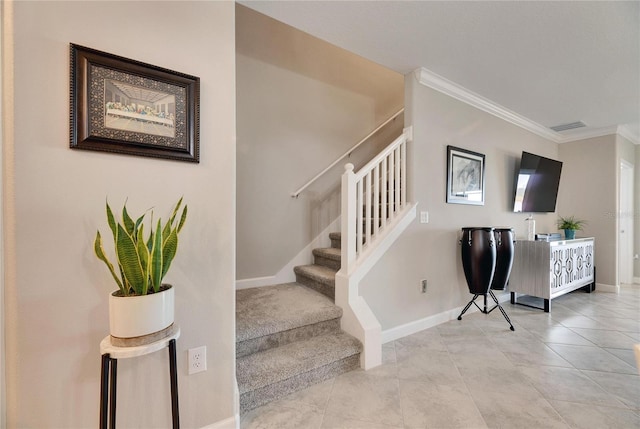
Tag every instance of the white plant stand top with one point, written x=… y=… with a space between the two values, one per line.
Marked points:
x=116 y=352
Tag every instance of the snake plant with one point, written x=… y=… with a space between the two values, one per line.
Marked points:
x=141 y=263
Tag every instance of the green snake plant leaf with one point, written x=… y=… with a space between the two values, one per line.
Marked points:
x=129 y=261
x=129 y=225
x=166 y=231
x=175 y=210
x=143 y=254
x=169 y=249
x=137 y=225
x=182 y=218
x=169 y=225
x=156 y=259
x=111 y=220
x=97 y=246
x=150 y=240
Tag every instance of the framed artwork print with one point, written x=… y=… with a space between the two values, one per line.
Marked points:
x=125 y=106
x=465 y=176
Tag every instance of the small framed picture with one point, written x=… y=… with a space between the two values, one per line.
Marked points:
x=465 y=176
x=125 y=106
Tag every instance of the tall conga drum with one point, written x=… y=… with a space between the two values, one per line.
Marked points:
x=505 y=242
x=478 y=258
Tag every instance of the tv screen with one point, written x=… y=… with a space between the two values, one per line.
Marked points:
x=537 y=184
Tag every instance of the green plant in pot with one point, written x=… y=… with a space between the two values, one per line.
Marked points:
x=570 y=225
x=142 y=309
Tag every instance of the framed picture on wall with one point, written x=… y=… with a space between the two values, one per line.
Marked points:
x=465 y=176
x=125 y=106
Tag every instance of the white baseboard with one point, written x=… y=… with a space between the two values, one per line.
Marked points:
x=407 y=329
x=601 y=287
x=286 y=274
x=256 y=282
x=229 y=423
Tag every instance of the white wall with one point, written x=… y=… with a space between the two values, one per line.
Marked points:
x=636 y=223
x=56 y=290
x=588 y=191
x=431 y=251
x=301 y=104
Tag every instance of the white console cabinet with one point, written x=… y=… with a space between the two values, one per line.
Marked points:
x=548 y=269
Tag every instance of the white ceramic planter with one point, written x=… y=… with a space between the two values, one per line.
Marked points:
x=137 y=316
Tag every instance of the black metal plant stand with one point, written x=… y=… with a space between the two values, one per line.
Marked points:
x=109 y=375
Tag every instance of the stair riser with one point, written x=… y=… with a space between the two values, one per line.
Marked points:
x=255 y=345
x=325 y=289
x=272 y=392
x=330 y=263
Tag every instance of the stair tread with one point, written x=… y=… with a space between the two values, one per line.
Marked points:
x=316 y=272
x=271 y=366
x=267 y=310
x=328 y=252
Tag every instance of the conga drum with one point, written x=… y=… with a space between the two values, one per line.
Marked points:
x=478 y=258
x=505 y=242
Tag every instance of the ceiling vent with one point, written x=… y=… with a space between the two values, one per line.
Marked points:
x=571 y=126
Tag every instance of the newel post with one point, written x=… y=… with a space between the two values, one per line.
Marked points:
x=348 y=216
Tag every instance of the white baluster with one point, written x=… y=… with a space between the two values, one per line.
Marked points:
x=367 y=232
x=376 y=199
x=391 y=180
x=384 y=196
x=359 y=202
x=397 y=181
x=403 y=168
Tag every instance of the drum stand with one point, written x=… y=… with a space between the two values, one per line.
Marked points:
x=473 y=301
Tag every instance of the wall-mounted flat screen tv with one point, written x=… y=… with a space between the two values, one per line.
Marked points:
x=537 y=184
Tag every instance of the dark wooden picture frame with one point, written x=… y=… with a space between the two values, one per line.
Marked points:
x=125 y=106
x=465 y=176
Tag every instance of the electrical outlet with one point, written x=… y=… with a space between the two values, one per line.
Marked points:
x=197 y=359
x=424 y=286
x=424 y=217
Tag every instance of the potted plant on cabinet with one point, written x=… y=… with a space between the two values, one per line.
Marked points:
x=142 y=309
x=570 y=225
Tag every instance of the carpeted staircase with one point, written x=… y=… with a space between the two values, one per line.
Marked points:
x=288 y=336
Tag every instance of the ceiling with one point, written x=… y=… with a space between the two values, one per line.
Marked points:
x=549 y=63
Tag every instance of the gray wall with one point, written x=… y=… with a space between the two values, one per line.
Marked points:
x=56 y=291
x=588 y=191
x=431 y=251
x=301 y=103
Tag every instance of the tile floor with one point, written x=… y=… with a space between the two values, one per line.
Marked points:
x=571 y=368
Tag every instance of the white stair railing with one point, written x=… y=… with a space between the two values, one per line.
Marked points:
x=372 y=198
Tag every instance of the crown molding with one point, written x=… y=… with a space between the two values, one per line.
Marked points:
x=621 y=130
x=626 y=132
x=452 y=89
x=587 y=133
